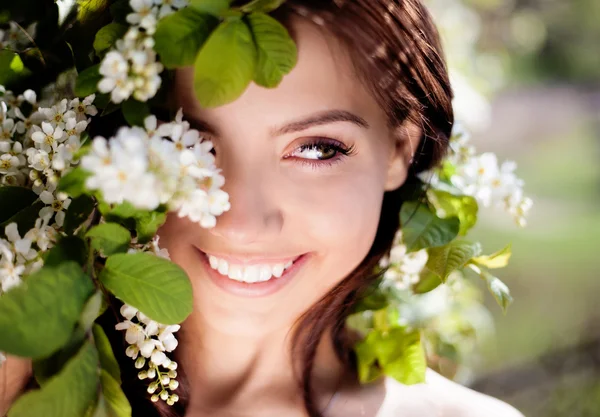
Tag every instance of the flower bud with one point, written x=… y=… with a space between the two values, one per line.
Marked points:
x=151 y=373
x=132 y=351
x=152 y=388
x=143 y=375
x=140 y=362
x=164 y=379
x=175 y=397
x=164 y=395
x=173 y=366
x=173 y=385
x=172 y=374
x=154 y=398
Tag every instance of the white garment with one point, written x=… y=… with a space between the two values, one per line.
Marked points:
x=440 y=397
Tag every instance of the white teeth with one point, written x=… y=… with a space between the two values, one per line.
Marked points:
x=235 y=272
x=278 y=270
x=223 y=267
x=250 y=273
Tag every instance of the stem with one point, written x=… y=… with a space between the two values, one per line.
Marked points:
x=32 y=41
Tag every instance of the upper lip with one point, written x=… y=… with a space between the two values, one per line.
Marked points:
x=250 y=259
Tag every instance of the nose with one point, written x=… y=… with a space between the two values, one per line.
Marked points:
x=254 y=215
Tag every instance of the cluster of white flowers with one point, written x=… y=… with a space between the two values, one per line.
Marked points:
x=403 y=269
x=167 y=164
x=151 y=247
x=20 y=256
x=132 y=68
x=148 y=341
x=36 y=149
x=482 y=177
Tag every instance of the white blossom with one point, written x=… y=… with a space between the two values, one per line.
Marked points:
x=167 y=7
x=7 y=129
x=9 y=163
x=144 y=14
x=58 y=114
x=47 y=137
x=84 y=108
x=43 y=235
x=403 y=269
x=25 y=124
x=57 y=206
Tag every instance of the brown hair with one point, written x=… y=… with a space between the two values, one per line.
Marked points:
x=396 y=52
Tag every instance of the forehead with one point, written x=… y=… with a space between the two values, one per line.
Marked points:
x=323 y=79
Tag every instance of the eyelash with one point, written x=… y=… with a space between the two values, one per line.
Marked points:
x=341 y=151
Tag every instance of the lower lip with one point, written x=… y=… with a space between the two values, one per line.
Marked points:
x=253 y=290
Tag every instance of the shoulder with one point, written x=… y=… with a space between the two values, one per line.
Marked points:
x=440 y=397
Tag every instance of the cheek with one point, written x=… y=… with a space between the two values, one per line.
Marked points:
x=339 y=217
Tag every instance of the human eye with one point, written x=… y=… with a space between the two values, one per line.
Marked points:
x=320 y=151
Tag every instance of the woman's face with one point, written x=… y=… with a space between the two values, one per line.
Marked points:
x=295 y=197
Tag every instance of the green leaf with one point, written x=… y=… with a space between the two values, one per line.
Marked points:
x=90 y=9
x=109 y=238
x=446 y=259
x=450 y=205
x=373 y=299
x=107 y=357
x=157 y=287
x=116 y=401
x=91 y=311
x=101 y=408
x=213 y=7
x=107 y=36
x=261 y=6
x=45 y=308
x=498 y=289
x=423 y=229
x=87 y=81
x=69 y=248
x=78 y=212
x=19 y=198
x=225 y=65
x=11 y=67
x=179 y=36
x=26 y=218
x=428 y=281
x=395 y=352
x=401 y=356
x=148 y=224
x=45 y=369
x=277 y=52
x=73 y=182
x=68 y=394
x=135 y=112
x=496 y=260
x=368 y=369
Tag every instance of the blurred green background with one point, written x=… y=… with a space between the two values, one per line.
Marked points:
x=536 y=66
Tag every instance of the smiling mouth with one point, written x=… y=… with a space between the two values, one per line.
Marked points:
x=255 y=273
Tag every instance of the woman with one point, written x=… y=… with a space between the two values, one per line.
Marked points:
x=313 y=168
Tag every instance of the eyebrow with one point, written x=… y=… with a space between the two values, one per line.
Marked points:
x=321 y=118
x=317 y=119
